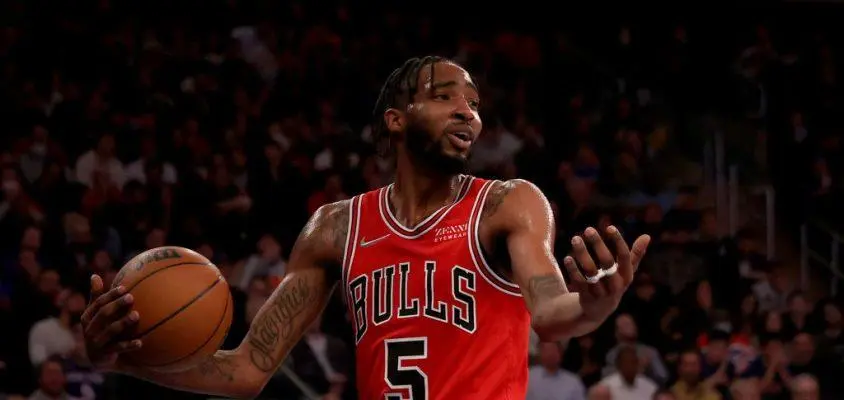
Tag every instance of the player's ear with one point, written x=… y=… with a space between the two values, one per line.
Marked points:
x=395 y=120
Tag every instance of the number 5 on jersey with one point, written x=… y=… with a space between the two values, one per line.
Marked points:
x=399 y=376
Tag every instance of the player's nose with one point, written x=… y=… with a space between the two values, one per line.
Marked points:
x=463 y=112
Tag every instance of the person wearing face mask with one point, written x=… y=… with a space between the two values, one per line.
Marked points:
x=34 y=152
x=54 y=335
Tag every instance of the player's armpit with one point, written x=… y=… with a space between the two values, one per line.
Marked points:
x=312 y=272
x=518 y=210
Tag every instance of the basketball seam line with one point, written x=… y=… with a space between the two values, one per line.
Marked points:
x=129 y=289
x=217 y=328
x=180 y=309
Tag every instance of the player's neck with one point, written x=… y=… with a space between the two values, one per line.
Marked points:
x=417 y=192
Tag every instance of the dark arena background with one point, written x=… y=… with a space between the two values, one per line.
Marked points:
x=221 y=125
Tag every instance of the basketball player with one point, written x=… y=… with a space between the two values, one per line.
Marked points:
x=443 y=273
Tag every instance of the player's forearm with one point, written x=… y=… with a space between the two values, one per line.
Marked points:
x=278 y=326
x=561 y=317
x=556 y=317
x=226 y=373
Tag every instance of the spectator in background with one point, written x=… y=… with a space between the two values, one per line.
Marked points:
x=321 y=361
x=627 y=335
x=628 y=382
x=548 y=381
x=16 y=205
x=773 y=291
x=267 y=262
x=805 y=387
x=51 y=381
x=751 y=263
x=137 y=170
x=716 y=367
x=83 y=381
x=53 y=336
x=664 y=395
x=331 y=191
x=831 y=337
x=827 y=371
x=599 y=392
x=745 y=389
x=690 y=385
x=495 y=146
x=256 y=295
x=36 y=151
x=100 y=167
x=647 y=303
x=797 y=314
x=585 y=357
x=771 y=324
x=774 y=361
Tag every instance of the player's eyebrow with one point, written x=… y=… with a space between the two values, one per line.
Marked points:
x=445 y=84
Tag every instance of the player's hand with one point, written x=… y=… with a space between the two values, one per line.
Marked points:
x=600 y=299
x=108 y=315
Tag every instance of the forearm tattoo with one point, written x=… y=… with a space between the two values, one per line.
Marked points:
x=280 y=321
x=219 y=366
x=284 y=318
x=546 y=286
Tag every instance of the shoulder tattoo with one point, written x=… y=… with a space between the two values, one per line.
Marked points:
x=496 y=196
x=329 y=226
x=336 y=224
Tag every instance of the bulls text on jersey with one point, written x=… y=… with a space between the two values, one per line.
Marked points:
x=374 y=301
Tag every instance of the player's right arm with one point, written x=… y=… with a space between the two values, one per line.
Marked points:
x=312 y=273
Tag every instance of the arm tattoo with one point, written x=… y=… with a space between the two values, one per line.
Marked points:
x=336 y=225
x=329 y=227
x=283 y=317
x=218 y=366
x=280 y=321
x=495 y=197
x=546 y=286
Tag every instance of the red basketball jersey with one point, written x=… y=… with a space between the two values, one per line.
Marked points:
x=432 y=320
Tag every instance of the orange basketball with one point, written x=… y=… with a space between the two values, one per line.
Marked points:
x=184 y=304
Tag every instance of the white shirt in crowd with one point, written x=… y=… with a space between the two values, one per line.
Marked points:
x=556 y=385
x=88 y=162
x=641 y=389
x=47 y=338
x=135 y=171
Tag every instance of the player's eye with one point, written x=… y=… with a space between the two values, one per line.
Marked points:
x=442 y=96
x=475 y=104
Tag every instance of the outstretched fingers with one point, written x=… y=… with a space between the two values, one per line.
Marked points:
x=99 y=298
x=628 y=258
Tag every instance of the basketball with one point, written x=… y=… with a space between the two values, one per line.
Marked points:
x=184 y=304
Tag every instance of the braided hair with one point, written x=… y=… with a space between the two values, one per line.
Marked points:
x=397 y=92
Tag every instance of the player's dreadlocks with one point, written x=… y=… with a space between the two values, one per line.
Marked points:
x=397 y=92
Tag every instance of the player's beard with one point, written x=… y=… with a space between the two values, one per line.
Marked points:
x=422 y=148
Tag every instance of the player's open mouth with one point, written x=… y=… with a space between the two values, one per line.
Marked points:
x=460 y=140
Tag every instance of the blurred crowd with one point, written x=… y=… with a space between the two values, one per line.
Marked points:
x=134 y=125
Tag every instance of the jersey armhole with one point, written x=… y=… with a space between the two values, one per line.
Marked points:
x=489 y=274
x=351 y=239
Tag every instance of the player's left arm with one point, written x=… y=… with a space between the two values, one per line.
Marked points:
x=518 y=211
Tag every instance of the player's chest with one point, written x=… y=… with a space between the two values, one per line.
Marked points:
x=404 y=282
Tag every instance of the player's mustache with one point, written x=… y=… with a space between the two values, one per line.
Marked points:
x=461 y=128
